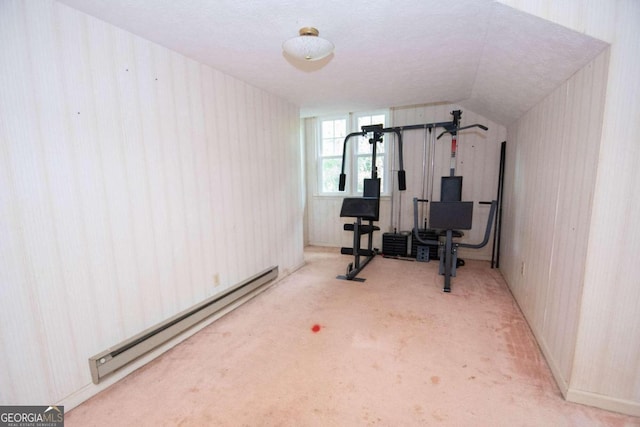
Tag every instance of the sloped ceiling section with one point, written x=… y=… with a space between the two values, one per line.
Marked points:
x=524 y=59
x=483 y=55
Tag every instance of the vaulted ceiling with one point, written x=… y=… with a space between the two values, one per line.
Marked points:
x=480 y=54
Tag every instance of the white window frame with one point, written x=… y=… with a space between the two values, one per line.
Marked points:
x=320 y=157
x=352 y=155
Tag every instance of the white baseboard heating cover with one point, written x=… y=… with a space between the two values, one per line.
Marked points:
x=118 y=356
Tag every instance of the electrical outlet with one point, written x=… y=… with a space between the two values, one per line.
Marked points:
x=216 y=280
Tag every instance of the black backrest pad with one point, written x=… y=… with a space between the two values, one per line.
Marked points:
x=451 y=215
x=371 y=187
x=364 y=207
x=451 y=189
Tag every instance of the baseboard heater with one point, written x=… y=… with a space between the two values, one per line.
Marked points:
x=127 y=351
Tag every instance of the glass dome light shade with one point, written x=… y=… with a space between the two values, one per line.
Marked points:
x=308 y=46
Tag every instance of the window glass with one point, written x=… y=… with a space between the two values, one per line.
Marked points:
x=333 y=131
x=333 y=134
x=330 y=174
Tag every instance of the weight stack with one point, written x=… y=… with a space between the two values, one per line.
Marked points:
x=395 y=244
x=427 y=234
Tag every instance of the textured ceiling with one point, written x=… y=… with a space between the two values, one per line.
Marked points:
x=483 y=55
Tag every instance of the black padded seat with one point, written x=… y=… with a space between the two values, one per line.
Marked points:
x=360 y=207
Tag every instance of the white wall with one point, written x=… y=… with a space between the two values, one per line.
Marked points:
x=551 y=167
x=605 y=370
x=134 y=183
x=478 y=161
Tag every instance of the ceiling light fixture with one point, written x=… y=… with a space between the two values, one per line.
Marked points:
x=308 y=46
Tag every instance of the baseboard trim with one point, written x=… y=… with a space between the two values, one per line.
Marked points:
x=561 y=382
x=608 y=403
x=601 y=401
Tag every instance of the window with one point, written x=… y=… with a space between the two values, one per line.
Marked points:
x=332 y=135
x=333 y=131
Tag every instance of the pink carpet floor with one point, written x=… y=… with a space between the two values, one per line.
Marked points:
x=391 y=351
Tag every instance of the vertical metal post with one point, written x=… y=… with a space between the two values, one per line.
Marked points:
x=454 y=149
x=356 y=242
x=424 y=171
x=448 y=255
x=457 y=114
x=393 y=192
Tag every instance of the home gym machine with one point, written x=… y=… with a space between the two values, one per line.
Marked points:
x=367 y=207
x=450 y=214
x=447 y=217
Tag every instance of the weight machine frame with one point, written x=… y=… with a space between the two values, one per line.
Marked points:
x=366 y=207
x=448 y=247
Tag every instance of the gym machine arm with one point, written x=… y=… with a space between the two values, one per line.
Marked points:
x=377 y=130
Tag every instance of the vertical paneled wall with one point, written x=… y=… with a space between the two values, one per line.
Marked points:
x=551 y=168
x=478 y=162
x=605 y=369
x=134 y=183
x=611 y=302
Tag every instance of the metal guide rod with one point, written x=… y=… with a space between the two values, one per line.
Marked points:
x=432 y=141
x=424 y=169
x=454 y=141
x=399 y=202
x=452 y=162
x=393 y=191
